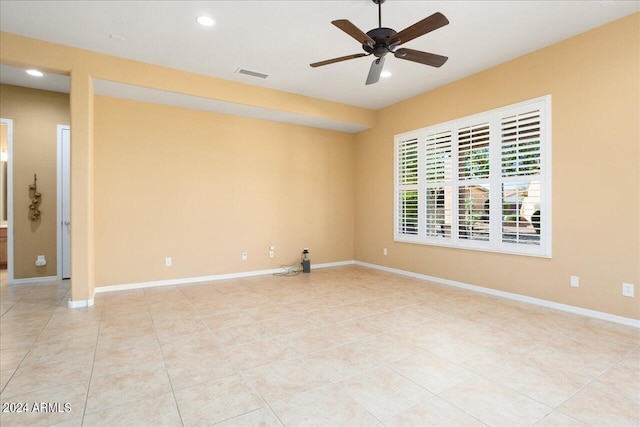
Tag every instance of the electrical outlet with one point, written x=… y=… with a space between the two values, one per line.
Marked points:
x=244 y=256
x=167 y=262
x=384 y=251
x=272 y=251
x=575 y=281
x=628 y=290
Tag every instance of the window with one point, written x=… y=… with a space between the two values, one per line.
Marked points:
x=480 y=182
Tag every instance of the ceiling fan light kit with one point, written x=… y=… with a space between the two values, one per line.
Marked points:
x=381 y=40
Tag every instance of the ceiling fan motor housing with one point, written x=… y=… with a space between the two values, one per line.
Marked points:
x=382 y=40
x=381 y=36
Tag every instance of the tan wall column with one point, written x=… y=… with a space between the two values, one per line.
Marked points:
x=82 y=231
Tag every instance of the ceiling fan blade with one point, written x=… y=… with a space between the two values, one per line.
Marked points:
x=355 y=32
x=418 y=29
x=421 y=57
x=375 y=70
x=342 y=58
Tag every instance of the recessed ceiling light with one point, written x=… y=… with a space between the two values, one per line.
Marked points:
x=35 y=73
x=385 y=74
x=206 y=21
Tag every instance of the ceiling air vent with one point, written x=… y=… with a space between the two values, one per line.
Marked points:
x=252 y=73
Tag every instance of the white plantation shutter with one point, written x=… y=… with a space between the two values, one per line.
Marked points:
x=407 y=203
x=408 y=162
x=438 y=157
x=480 y=182
x=473 y=152
x=473 y=177
x=521 y=212
x=473 y=212
x=520 y=141
x=438 y=178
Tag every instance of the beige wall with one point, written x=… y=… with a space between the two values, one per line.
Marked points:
x=21 y=51
x=202 y=188
x=340 y=179
x=36 y=115
x=594 y=82
x=82 y=66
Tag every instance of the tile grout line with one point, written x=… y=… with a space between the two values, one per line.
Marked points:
x=241 y=373
x=33 y=343
x=600 y=375
x=267 y=404
x=358 y=404
x=560 y=340
x=476 y=375
x=95 y=352
x=437 y=395
x=557 y=410
x=155 y=330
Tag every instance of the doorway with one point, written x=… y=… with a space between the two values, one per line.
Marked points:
x=64 y=202
x=6 y=200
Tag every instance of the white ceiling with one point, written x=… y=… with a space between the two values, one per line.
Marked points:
x=281 y=38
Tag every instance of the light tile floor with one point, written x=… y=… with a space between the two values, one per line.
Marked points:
x=346 y=346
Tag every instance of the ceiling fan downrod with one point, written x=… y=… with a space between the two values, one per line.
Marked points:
x=379 y=3
x=380 y=36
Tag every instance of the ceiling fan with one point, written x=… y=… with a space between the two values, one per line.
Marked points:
x=380 y=41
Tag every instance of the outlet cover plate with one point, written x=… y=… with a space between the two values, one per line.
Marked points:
x=628 y=290
x=575 y=281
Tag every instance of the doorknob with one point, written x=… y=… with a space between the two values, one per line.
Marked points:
x=67 y=222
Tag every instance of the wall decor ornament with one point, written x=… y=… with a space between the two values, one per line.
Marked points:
x=36 y=199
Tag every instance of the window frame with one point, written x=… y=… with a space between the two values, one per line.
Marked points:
x=495 y=243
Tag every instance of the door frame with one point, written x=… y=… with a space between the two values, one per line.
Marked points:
x=59 y=218
x=9 y=123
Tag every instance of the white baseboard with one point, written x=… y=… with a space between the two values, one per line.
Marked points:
x=332 y=264
x=80 y=303
x=32 y=280
x=187 y=280
x=523 y=298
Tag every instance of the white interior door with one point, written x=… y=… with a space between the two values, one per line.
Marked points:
x=9 y=201
x=64 y=253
